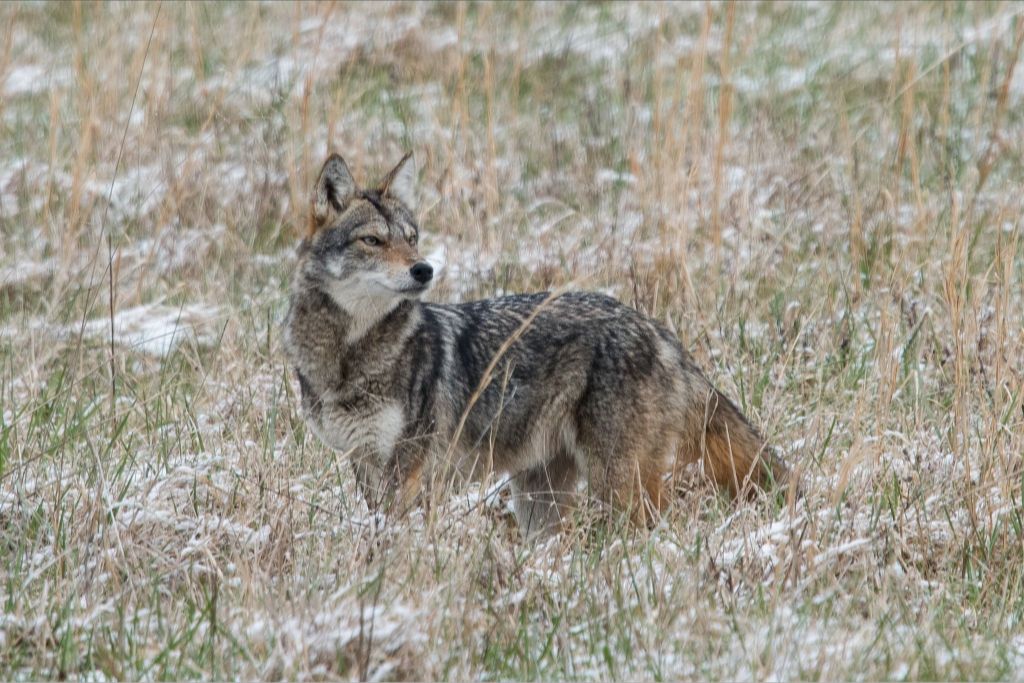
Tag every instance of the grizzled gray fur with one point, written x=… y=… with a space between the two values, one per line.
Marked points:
x=553 y=390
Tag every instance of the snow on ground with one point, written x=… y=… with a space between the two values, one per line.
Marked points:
x=194 y=518
x=155 y=329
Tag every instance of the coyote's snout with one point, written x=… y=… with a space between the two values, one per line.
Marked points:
x=553 y=390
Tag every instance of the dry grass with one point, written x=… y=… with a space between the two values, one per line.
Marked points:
x=824 y=200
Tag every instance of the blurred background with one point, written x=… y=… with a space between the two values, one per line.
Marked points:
x=824 y=200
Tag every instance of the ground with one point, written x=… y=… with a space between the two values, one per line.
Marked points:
x=823 y=201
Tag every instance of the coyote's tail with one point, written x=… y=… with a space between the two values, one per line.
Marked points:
x=735 y=455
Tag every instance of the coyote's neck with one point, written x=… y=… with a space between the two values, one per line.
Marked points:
x=379 y=330
x=328 y=341
x=365 y=314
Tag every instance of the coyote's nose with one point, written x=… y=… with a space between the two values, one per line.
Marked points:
x=422 y=272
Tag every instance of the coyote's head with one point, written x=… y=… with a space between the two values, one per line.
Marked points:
x=361 y=249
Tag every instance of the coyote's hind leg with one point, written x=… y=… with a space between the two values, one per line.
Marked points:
x=544 y=495
x=631 y=480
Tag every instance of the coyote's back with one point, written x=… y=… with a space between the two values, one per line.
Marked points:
x=553 y=390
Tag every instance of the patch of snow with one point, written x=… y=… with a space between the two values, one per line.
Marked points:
x=134 y=193
x=158 y=329
x=154 y=329
x=29 y=79
x=26 y=271
x=609 y=176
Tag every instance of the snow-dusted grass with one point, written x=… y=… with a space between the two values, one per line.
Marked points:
x=823 y=200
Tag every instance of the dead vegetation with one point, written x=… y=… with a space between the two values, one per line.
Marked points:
x=823 y=200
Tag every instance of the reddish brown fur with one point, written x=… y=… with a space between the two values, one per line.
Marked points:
x=733 y=457
x=400 y=253
x=733 y=453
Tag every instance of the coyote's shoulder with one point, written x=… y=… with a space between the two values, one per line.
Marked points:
x=552 y=389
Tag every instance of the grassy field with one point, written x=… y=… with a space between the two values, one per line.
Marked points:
x=824 y=200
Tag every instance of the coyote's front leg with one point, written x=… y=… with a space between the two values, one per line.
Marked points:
x=393 y=488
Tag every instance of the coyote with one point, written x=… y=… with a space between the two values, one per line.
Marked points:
x=550 y=389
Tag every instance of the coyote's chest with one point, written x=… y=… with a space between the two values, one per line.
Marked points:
x=349 y=430
x=351 y=416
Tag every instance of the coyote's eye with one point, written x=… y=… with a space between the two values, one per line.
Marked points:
x=371 y=241
x=413 y=241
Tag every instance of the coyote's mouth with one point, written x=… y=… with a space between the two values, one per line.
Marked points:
x=413 y=289
x=416 y=288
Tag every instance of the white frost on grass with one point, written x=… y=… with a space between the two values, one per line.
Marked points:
x=607 y=176
x=26 y=271
x=29 y=79
x=347 y=625
x=133 y=193
x=168 y=250
x=155 y=329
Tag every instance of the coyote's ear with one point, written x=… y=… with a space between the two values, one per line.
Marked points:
x=400 y=184
x=334 y=190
